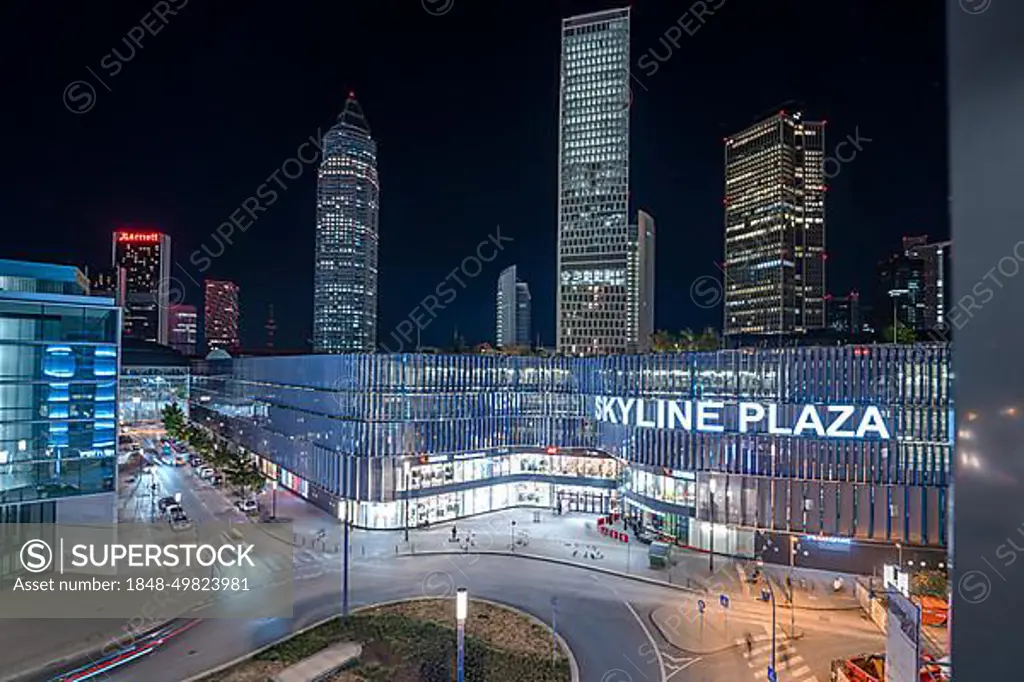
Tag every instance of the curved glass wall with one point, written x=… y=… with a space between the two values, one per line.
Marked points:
x=851 y=441
x=58 y=399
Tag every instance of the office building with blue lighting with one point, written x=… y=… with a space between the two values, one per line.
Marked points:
x=59 y=360
x=836 y=454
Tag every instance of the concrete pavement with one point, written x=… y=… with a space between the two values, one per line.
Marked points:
x=377 y=573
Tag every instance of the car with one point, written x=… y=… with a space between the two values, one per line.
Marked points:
x=247 y=506
x=179 y=521
x=165 y=503
x=216 y=479
x=206 y=472
x=173 y=509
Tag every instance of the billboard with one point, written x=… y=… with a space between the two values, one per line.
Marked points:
x=903 y=649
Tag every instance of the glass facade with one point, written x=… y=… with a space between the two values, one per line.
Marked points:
x=146 y=390
x=849 y=441
x=348 y=201
x=774 y=273
x=59 y=357
x=595 y=244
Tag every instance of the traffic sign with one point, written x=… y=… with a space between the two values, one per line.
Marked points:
x=771 y=675
x=724 y=601
x=701 y=605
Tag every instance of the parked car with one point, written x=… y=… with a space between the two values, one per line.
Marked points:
x=216 y=479
x=249 y=506
x=206 y=472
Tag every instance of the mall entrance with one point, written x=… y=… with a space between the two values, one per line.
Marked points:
x=585 y=500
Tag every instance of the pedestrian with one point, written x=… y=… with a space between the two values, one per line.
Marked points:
x=455 y=533
x=750 y=645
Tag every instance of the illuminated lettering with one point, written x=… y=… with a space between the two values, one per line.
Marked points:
x=149 y=237
x=822 y=421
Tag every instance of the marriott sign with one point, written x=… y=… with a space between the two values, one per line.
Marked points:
x=823 y=421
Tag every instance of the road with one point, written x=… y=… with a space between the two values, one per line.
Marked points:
x=600 y=624
x=605 y=619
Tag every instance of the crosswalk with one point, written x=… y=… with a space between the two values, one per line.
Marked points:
x=789 y=664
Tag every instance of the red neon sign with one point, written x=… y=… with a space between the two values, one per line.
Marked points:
x=150 y=237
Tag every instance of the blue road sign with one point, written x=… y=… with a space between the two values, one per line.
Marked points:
x=771 y=675
x=724 y=601
x=701 y=605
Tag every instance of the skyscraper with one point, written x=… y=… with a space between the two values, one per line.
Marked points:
x=220 y=323
x=901 y=293
x=514 y=310
x=593 y=185
x=345 y=279
x=775 y=227
x=641 y=284
x=183 y=328
x=108 y=283
x=145 y=256
x=936 y=278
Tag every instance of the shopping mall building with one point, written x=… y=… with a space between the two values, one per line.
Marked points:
x=838 y=455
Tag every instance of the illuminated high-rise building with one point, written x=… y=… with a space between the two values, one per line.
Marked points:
x=640 y=275
x=774 y=268
x=184 y=328
x=220 y=315
x=345 y=268
x=594 y=240
x=936 y=275
x=514 y=310
x=145 y=256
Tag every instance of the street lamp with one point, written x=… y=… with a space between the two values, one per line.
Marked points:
x=407 y=468
x=771 y=593
x=711 y=553
x=513 y=538
x=792 y=591
x=273 y=498
x=461 y=606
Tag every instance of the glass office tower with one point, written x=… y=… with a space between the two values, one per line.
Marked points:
x=593 y=186
x=775 y=227
x=345 y=269
x=59 y=359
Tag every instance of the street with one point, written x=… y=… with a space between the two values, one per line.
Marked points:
x=619 y=629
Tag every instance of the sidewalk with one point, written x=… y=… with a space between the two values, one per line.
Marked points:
x=684 y=627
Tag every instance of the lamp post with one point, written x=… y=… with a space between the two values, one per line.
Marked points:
x=273 y=498
x=792 y=591
x=407 y=468
x=461 y=606
x=771 y=593
x=711 y=553
x=513 y=537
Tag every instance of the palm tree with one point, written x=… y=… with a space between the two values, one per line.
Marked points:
x=662 y=341
x=707 y=340
x=686 y=340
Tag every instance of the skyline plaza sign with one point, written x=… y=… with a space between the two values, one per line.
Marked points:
x=714 y=416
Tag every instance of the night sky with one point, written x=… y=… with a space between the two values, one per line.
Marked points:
x=464 y=108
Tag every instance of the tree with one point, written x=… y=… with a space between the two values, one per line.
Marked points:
x=903 y=334
x=661 y=341
x=243 y=473
x=174 y=420
x=707 y=340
